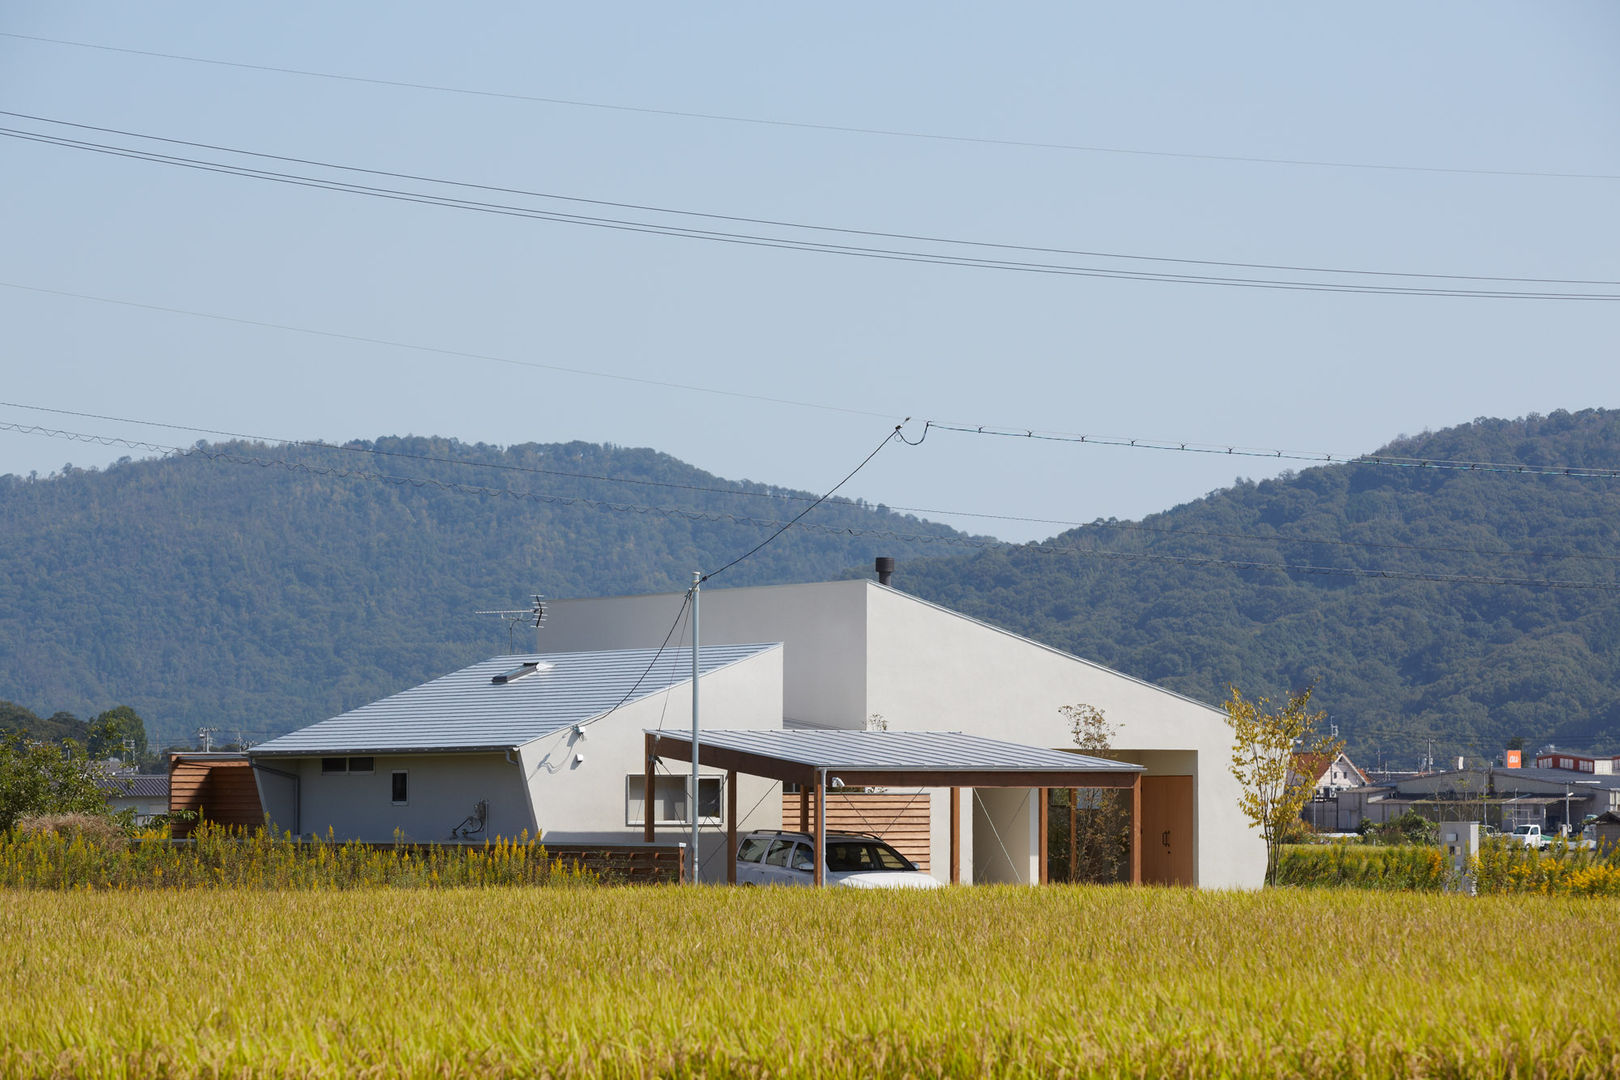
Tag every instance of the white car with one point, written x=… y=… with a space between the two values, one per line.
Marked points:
x=853 y=862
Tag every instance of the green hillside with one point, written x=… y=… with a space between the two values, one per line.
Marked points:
x=1396 y=659
x=255 y=589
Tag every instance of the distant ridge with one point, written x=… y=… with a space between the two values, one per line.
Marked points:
x=204 y=591
x=1396 y=661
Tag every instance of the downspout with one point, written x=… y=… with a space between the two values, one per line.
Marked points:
x=298 y=789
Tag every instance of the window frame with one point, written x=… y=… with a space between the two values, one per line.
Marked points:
x=635 y=787
x=397 y=779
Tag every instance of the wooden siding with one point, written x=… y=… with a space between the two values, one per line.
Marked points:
x=634 y=864
x=900 y=818
x=223 y=792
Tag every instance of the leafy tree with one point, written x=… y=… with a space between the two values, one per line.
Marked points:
x=119 y=732
x=1264 y=742
x=1100 y=820
x=39 y=778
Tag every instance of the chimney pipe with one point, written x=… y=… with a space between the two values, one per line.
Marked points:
x=885 y=569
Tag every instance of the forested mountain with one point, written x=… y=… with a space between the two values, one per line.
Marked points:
x=1274 y=585
x=1423 y=601
x=204 y=591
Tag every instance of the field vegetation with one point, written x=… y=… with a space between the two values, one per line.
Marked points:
x=667 y=981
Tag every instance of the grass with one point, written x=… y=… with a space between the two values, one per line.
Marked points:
x=1062 y=981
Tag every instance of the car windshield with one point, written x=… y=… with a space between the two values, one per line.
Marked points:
x=1521 y=830
x=855 y=856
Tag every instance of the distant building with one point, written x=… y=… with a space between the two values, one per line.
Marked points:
x=147 y=795
x=1586 y=761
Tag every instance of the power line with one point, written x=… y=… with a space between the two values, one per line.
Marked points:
x=438 y=351
x=800 y=515
x=780 y=526
x=1319 y=458
x=884 y=254
x=845 y=129
x=778 y=223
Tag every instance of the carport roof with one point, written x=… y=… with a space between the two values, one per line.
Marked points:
x=925 y=758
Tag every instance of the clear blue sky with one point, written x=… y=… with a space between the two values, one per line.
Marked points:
x=1479 y=88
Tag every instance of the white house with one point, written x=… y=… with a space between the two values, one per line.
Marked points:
x=857 y=653
x=553 y=743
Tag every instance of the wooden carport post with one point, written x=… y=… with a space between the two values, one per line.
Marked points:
x=956 y=836
x=1044 y=874
x=1136 y=829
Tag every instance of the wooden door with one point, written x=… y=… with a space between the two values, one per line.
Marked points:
x=1167 y=830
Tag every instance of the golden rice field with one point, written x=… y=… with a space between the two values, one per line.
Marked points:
x=667 y=981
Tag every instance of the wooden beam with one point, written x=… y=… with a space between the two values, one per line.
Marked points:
x=804 y=809
x=731 y=827
x=1136 y=831
x=1045 y=871
x=985 y=778
x=648 y=767
x=956 y=836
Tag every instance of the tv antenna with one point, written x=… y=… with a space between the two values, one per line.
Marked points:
x=533 y=615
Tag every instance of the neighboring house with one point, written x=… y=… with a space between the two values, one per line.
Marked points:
x=1606 y=831
x=1586 y=761
x=1503 y=797
x=852 y=650
x=1326 y=775
x=146 y=794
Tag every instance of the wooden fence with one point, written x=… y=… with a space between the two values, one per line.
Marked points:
x=900 y=818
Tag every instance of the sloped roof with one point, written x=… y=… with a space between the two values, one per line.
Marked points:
x=136 y=786
x=468 y=710
x=904 y=751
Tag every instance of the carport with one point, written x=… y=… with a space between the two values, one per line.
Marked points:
x=924 y=759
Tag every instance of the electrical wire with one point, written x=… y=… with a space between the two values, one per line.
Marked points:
x=751 y=552
x=1395 y=461
x=777 y=223
x=813 y=246
x=796 y=497
x=438 y=351
x=956 y=540
x=628 y=694
x=845 y=129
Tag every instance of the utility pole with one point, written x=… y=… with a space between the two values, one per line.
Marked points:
x=697 y=582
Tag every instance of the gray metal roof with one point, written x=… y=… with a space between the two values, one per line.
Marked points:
x=465 y=710
x=902 y=751
x=135 y=785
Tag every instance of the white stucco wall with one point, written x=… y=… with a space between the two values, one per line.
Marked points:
x=584 y=801
x=855 y=648
x=443 y=789
x=934 y=669
x=824 y=626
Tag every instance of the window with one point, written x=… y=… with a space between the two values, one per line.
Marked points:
x=751 y=849
x=779 y=853
x=359 y=764
x=669 y=799
x=334 y=765
x=401 y=787
x=802 y=858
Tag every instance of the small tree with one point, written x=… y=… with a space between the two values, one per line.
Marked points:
x=1100 y=842
x=1264 y=742
x=38 y=778
x=119 y=732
